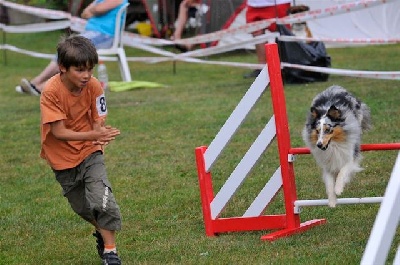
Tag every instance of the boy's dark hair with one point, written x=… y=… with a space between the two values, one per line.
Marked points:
x=77 y=51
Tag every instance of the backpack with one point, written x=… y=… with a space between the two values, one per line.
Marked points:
x=310 y=54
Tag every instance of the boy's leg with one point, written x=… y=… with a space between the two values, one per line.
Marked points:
x=109 y=238
x=99 y=194
x=89 y=193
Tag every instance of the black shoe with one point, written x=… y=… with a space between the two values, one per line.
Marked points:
x=111 y=259
x=181 y=48
x=100 y=243
x=252 y=74
x=29 y=88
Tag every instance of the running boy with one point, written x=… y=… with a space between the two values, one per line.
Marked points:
x=73 y=135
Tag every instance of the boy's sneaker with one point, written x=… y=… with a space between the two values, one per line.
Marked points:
x=29 y=88
x=111 y=258
x=19 y=89
x=100 y=243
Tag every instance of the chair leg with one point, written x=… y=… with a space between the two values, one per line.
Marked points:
x=123 y=66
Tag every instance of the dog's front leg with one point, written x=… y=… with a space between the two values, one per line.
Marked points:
x=342 y=179
x=329 y=180
x=345 y=175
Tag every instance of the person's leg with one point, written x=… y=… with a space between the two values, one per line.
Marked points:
x=252 y=15
x=89 y=193
x=36 y=84
x=181 y=20
x=268 y=13
x=256 y=14
x=103 y=206
x=99 y=40
x=108 y=237
x=183 y=15
x=260 y=51
x=50 y=70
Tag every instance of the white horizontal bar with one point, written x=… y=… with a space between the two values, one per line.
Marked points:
x=299 y=203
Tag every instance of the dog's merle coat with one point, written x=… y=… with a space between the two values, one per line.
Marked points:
x=333 y=133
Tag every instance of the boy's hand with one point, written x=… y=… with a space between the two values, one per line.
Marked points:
x=106 y=135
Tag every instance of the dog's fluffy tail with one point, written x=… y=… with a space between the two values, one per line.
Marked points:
x=366 y=118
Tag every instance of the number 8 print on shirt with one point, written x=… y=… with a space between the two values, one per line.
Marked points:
x=101 y=105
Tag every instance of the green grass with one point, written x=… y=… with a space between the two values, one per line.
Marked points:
x=152 y=165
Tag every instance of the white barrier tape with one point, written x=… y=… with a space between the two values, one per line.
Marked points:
x=30 y=53
x=40 y=12
x=390 y=75
x=133 y=59
x=37 y=27
x=242 y=65
x=44 y=55
x=251 y=27
x=342 y=72
x=341 y=40
x=129 y=37
x=188 y=56
x=254 y=26
x=77 y=24
x=195 y=60
x=331 y=11
x=229 y=47
x=135 y=40
x=217 y=35
x=149 y=48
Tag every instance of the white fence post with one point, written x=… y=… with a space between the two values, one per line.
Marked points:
x=386 y=222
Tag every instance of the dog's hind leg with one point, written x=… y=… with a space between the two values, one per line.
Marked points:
x=329 y=180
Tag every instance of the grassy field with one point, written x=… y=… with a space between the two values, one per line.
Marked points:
x=152 y=165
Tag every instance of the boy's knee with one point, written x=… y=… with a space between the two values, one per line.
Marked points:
x=106 y=210
x=110 y=220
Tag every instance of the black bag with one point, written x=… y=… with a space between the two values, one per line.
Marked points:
x=310 y=54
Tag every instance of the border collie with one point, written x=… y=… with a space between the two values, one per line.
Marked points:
x=299 y=29
x=333 y=133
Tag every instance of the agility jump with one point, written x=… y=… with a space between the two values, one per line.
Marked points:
x=289 y=222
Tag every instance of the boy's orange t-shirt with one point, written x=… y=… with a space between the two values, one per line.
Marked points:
x=78 y=112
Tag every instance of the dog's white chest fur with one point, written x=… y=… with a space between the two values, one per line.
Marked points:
x=335 y=157
x=300 y=30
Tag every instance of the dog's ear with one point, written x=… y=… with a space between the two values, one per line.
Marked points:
x=314 y=113
x=334 y=113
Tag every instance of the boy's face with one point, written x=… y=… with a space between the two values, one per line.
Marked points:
x=77 y=76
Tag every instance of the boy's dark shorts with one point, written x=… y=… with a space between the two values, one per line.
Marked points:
x=89 y=192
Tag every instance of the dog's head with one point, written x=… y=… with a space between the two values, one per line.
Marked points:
x=326 y=126
x=299 y=29
x=297 y=9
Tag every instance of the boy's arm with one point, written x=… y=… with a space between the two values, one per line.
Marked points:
x=98 y=126
x=100 y=134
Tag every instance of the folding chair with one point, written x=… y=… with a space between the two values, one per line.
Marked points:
x=117 y=47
